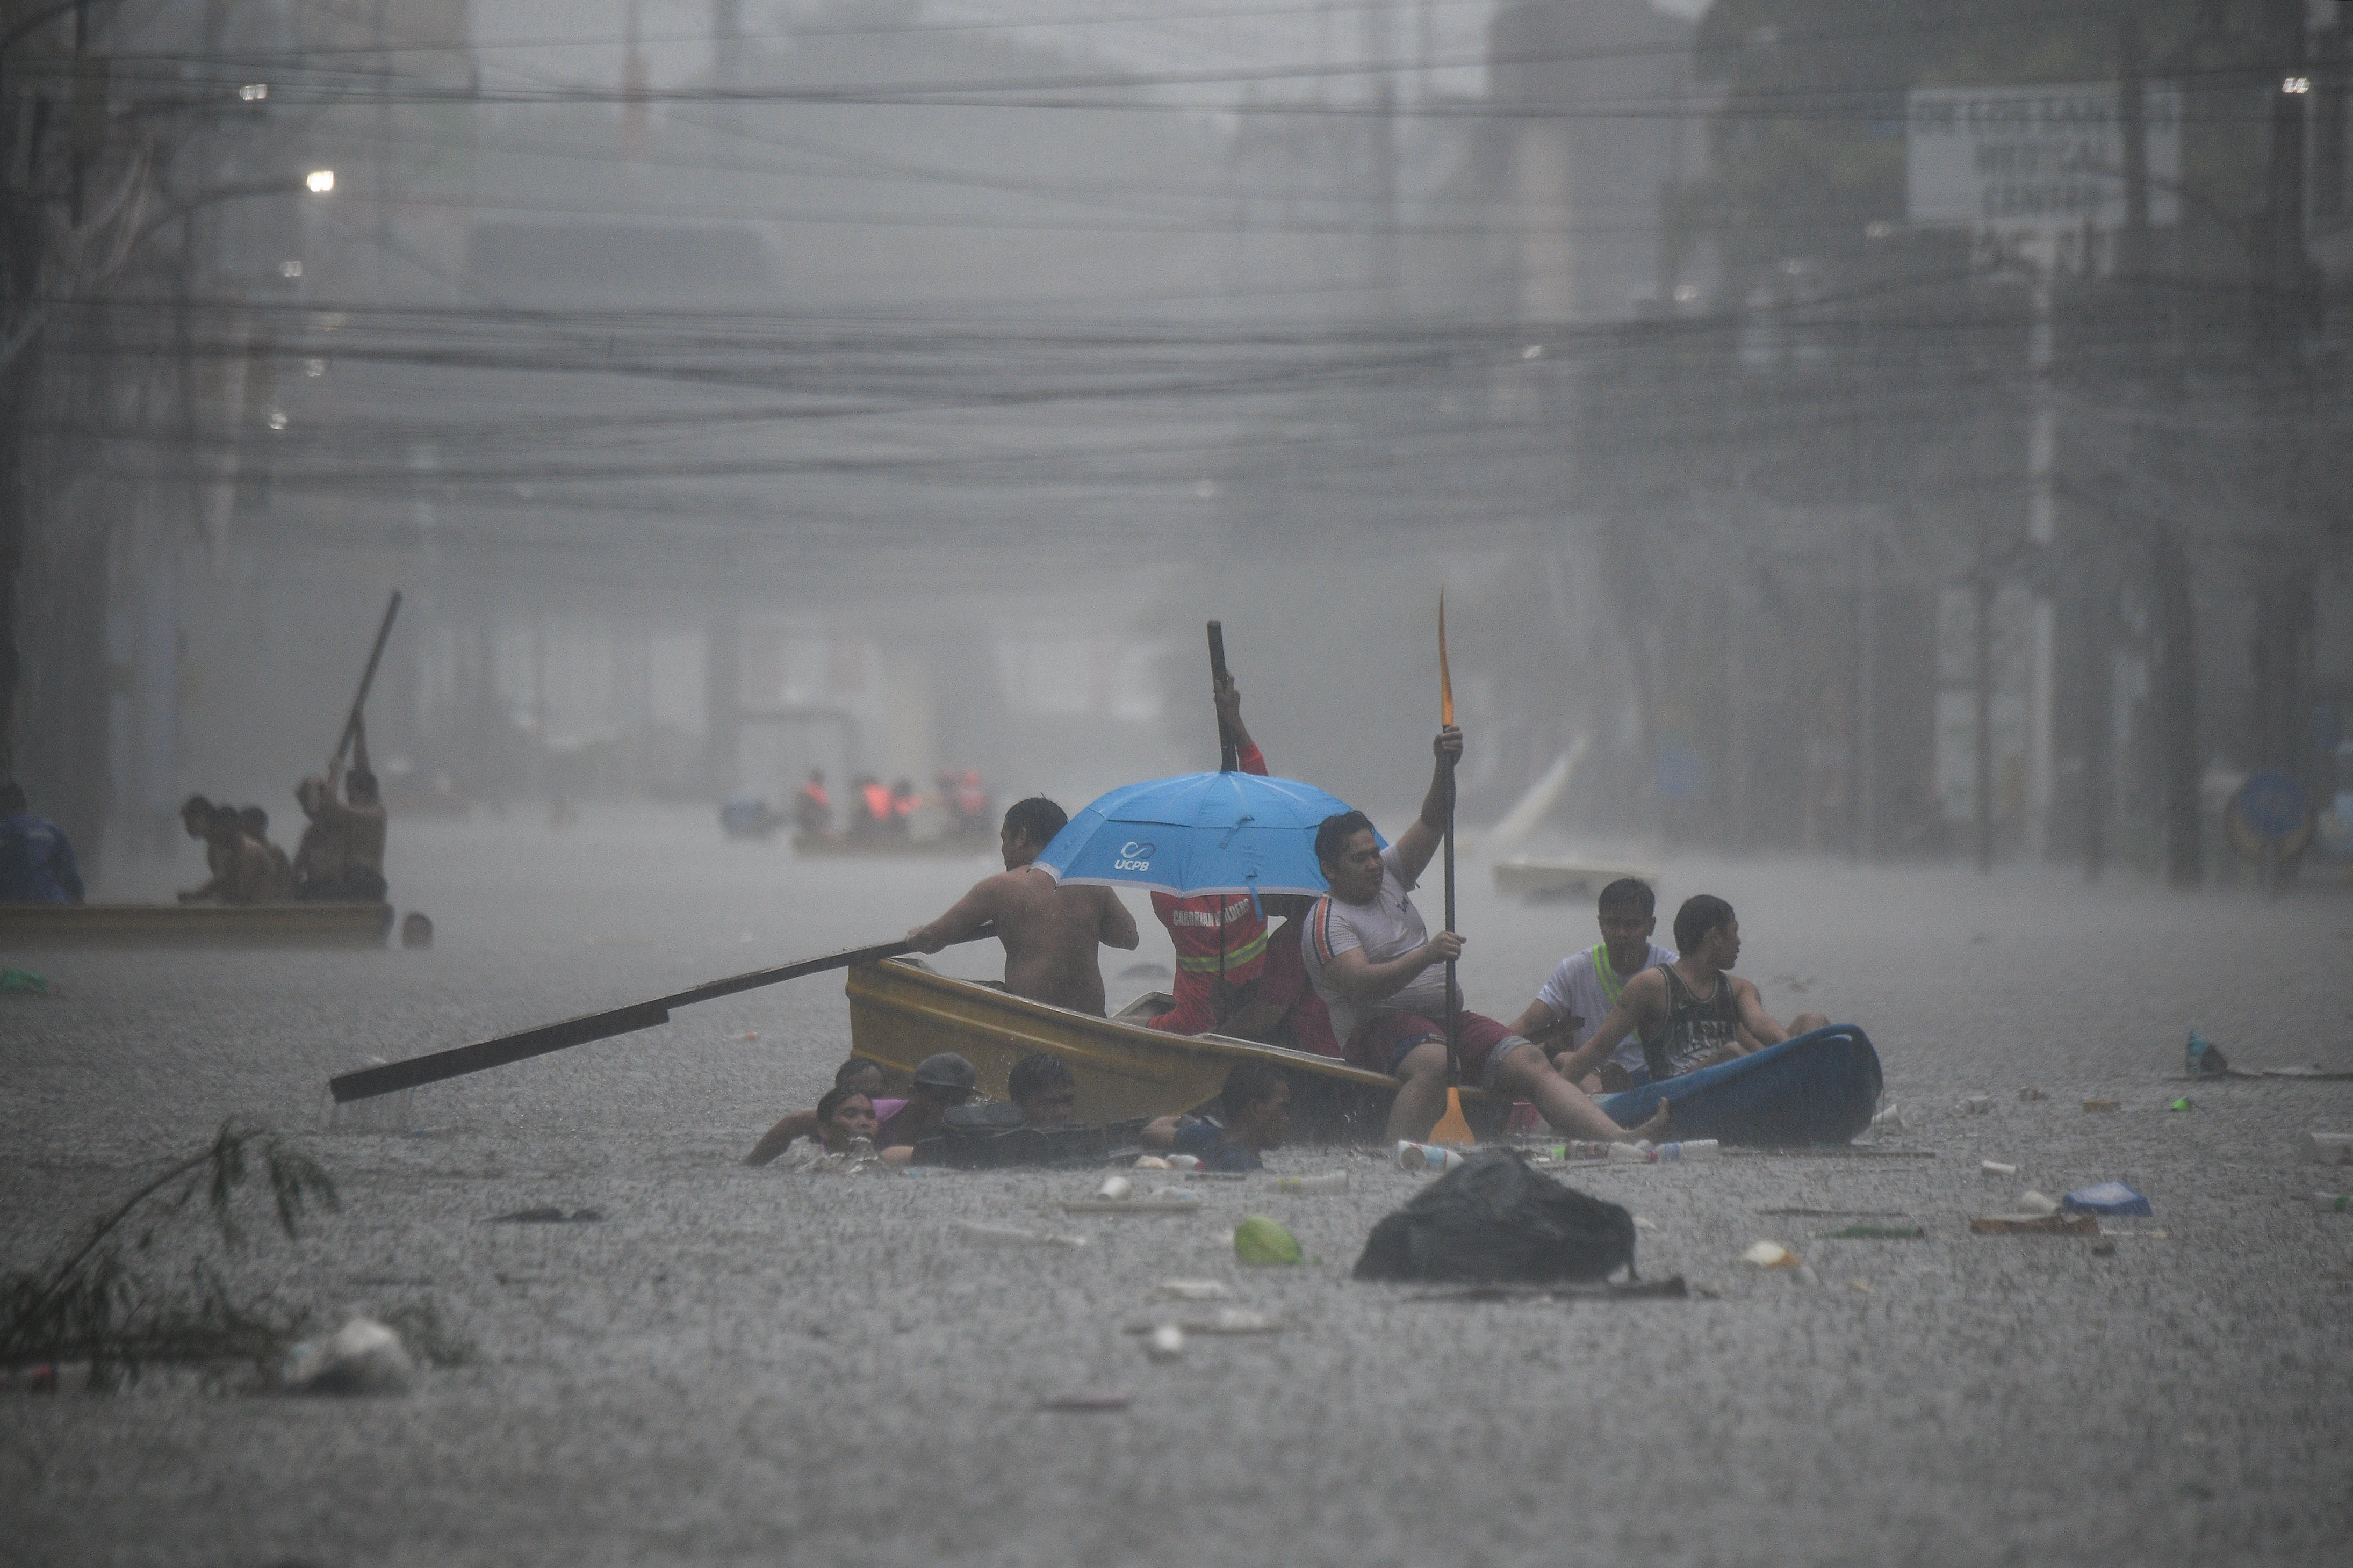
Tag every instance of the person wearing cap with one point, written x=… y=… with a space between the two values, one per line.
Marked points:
x=340 y=857
x=942 y=1082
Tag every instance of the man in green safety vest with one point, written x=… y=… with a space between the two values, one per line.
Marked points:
x=1586 y=986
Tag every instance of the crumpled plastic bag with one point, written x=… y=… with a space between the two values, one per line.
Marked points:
x=1496 y=1219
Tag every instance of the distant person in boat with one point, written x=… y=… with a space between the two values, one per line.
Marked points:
x=967 y=803
x=1383 y=976
x=1233 y=974
x=1049 y=931
x=242 y=872
x=1253 y=1115
x=1693 y=1013
x=1571 y=1004
x=254 y=823
x=36 y=861
x=1041 y=1088
x=813 y=809
x=870 y=806
x=196 y=817
x=340 y=857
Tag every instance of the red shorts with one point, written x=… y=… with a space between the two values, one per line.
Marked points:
x=1383 y=1041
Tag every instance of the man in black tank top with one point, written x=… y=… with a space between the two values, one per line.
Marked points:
x=1693 y=1013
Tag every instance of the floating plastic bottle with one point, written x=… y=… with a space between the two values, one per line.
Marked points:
x=1115 y=1188
x=1996 y=1169
x=1583 y=1149
x=2333 y=1203
x=1427 y=1157
x=1637 y=1152
x=1335 y=1182
x=1976 y=1104
x=2330 y=1148
x=1167 y=1344
x=1687 y=1150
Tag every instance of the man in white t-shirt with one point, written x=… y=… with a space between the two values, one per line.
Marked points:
x=1383 y=976
x=1586 y=987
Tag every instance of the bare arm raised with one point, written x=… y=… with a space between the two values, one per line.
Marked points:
x=1418 y=842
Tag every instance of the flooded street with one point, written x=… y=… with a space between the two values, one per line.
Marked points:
x=739 y=1365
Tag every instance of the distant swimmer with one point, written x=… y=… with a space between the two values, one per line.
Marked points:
x=1049 y=931
x=1383 y=976
x=340 y=857
x=36 y=861
x=1695 y=1012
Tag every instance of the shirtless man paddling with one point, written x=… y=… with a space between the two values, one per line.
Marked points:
x=1049 y=931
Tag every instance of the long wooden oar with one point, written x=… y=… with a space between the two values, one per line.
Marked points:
x=1452 y=1126
x=1229 y=749
x=459 y=1060
x=367 y=680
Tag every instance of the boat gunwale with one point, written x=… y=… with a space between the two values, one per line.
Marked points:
x=1207 y=1045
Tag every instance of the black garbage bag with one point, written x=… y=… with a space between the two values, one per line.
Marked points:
x=1496 y=1219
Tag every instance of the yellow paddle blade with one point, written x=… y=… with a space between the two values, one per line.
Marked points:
x=1445 y=677
x=1451 y=1128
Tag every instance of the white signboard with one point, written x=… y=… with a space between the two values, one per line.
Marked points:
x=2037 y=159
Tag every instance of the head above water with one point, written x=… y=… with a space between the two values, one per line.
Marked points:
x=860 y=1074
x=254 y=821
x=844 y=1114
x=1348 y=852
x=1706 y=931
x=1029 y=825
x=946 y=1078
x=1041 y=1087
x=1255 y=1104
x=194 y=813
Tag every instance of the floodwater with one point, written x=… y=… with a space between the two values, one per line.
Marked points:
x=760 y=1366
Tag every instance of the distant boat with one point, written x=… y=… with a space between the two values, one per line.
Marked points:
x=194 y=925
x=894 y=846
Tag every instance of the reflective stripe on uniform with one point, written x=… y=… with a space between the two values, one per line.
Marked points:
x=1233 y=958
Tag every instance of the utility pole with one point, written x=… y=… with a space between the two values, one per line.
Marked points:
x=2041 y=532
x=1983 y=585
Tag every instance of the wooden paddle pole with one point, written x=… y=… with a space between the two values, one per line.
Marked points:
x=367 y=679
x=1229 y=754
x=1452 y=1126
x=460 y=1060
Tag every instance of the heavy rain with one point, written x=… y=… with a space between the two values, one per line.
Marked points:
x=1292 y=781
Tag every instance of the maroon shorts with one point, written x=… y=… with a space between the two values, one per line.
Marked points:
x=1383 y=1040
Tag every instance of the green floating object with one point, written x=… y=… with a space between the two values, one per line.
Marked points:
x=2181 y=1104
x=1259 y=1239
x=24 y=980
x=1878 y=1232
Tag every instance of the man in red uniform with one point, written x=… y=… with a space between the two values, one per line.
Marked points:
x=1232 y=974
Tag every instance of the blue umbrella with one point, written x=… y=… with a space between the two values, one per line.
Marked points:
x=1198 y=833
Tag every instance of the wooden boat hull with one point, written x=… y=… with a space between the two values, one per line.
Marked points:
x=194 y=925
x=1822 y=1088
x=1529 y=877
x=901 y=1012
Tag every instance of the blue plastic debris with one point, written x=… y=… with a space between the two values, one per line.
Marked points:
x=2108 y=1198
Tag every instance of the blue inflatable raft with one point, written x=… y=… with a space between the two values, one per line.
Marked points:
x=1821 y=1088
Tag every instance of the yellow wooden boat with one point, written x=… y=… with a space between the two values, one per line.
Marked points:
x=193 y=925
x=900 y=1012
